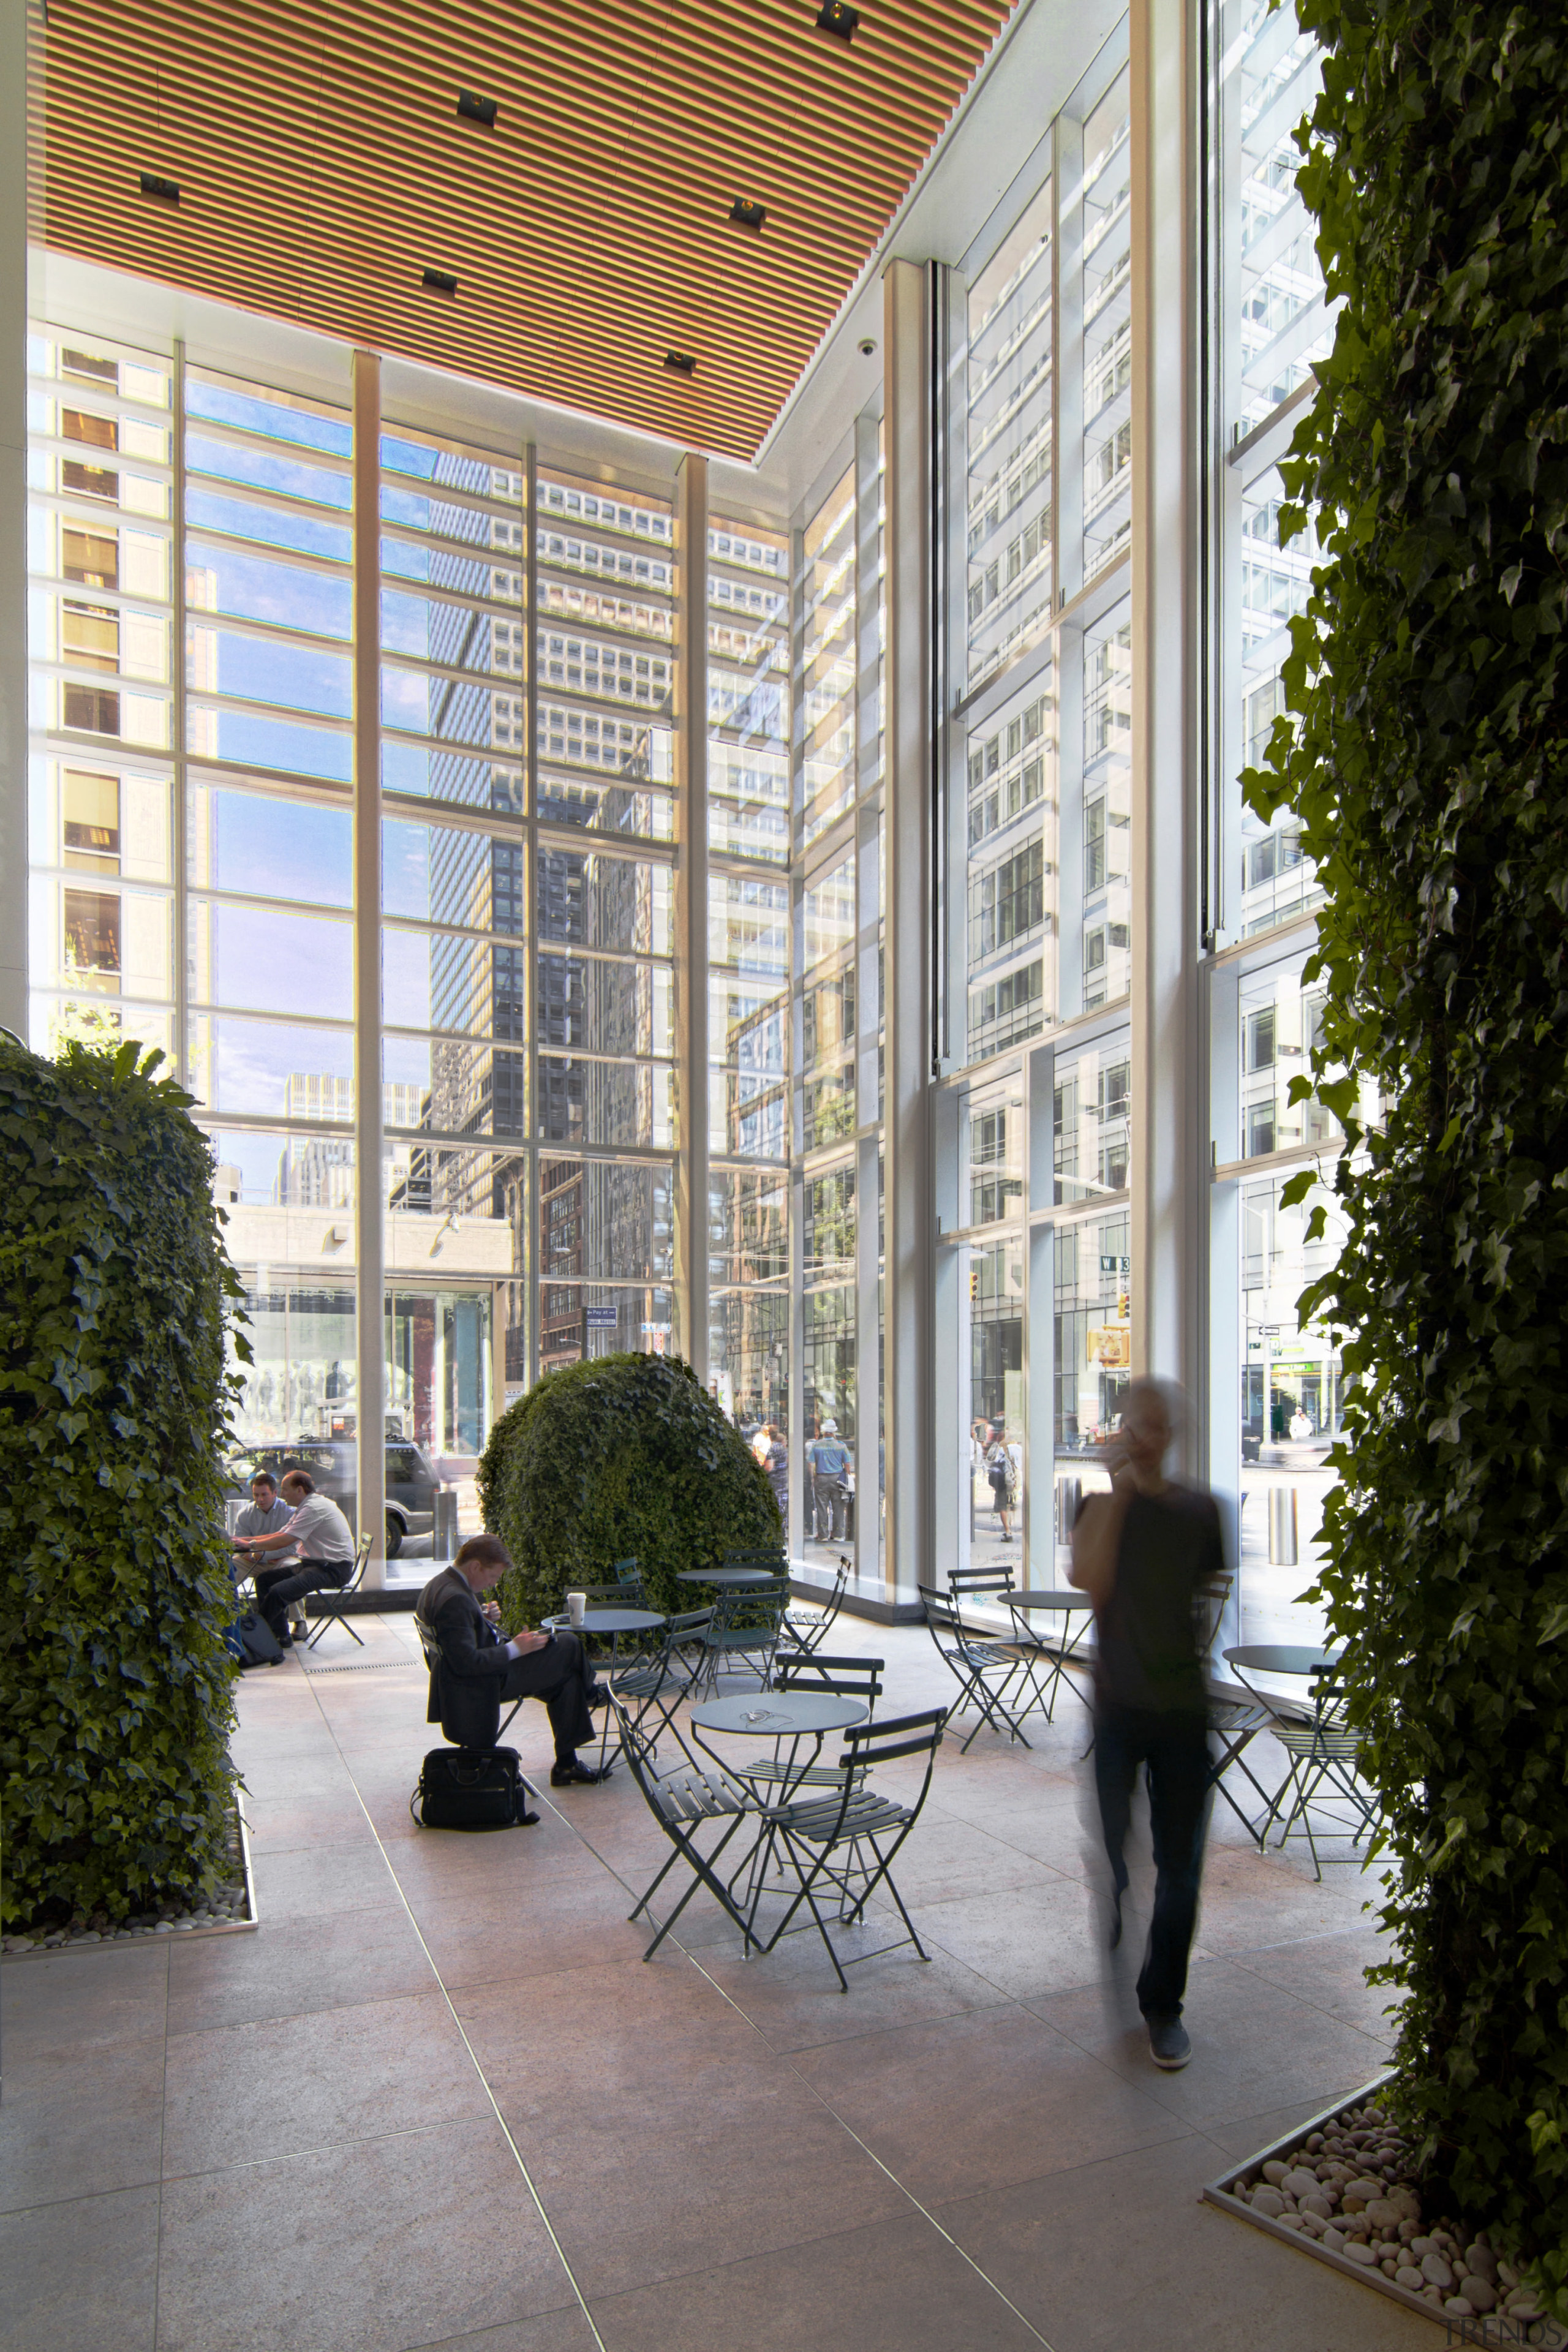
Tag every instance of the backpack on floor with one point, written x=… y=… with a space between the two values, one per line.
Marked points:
x=253 y=1642
x=470 y=1789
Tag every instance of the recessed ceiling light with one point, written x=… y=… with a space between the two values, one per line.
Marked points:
x=478 y=110
x=165 y=192
x=439 y=282
x=680 y=362
x=747 y=214
x=834 y=17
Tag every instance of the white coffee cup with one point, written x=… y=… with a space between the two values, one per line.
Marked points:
x=576 y=1603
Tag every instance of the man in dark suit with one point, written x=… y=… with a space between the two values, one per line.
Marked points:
x=479 y=1668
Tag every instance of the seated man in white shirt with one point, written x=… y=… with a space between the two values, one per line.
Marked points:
x=263 y=1516
x=326 y=1547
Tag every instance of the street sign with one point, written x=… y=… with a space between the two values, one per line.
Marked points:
x=602 y=1319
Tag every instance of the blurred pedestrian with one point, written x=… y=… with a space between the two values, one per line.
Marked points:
x=1000 y=1469
x=831 y=1463
x=1141 y=1553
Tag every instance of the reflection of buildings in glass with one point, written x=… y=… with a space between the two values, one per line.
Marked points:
x=1290 y=1372
x=1093 y=1326
x=1013 y=889
x=826 y=705
x=562 y=1328
x=315 y=1172
x=1009 y=438
x=1107 y=810
x=749 y=993
x=1091 y=1124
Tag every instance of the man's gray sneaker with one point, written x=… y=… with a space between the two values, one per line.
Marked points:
x=1169 y=2043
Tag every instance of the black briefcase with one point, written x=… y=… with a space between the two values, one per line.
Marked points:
x=470 y=1789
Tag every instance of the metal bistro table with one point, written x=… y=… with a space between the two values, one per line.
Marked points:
x=614 y=1622
x=795 y=1715
x=1063 y=1602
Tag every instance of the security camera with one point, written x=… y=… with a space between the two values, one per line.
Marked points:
x=867 y=346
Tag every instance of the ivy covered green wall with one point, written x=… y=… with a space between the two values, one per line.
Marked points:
x=1427 y=753
x=623 y=1456
x=114 y=1680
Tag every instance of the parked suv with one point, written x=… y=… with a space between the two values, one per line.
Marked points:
x=411 y=1483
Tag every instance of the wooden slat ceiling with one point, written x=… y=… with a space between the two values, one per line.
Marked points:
x=322 y=167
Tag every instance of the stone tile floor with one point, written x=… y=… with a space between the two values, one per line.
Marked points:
x=438 y=2101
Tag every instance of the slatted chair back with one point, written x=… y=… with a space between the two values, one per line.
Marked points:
x=746 y=1621
x=810 y=1633
x=813 y=1670
x=980 y=1584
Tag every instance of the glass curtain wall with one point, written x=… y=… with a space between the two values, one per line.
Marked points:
x=194 y=874
x=749 y=744
x=1281 y=1378
x=836 y=1110
x=1042 y=737
x=604 y=901
x=268 y=902
x=101 y=564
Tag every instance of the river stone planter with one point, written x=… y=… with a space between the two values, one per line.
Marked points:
x=148 y=1930
x=1388 y=2205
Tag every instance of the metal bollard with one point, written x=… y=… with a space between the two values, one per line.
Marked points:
x=1282 y=1526
x=1069 y=1493
x=445 y=1546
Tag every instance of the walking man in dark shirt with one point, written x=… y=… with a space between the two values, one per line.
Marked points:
x=1141 y=1554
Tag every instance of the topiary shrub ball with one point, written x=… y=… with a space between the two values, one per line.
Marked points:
x=625 y=1455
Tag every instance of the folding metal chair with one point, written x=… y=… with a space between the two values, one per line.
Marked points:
x=1322 y=1749
x=809 y=1670
x=972 y=1661
x=1236 y=1724
x=657 y=1684
x=681 y=1801
x=809 y=1834
x=745 y=1627
x=810 y=1633
x=330 y=1604
x=432 y=1649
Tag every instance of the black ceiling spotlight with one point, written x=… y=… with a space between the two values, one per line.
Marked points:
x=478 y=110
x=747 y=214
x=834 y=17
x=680 y=364
x=163 y=191
x=439 y=282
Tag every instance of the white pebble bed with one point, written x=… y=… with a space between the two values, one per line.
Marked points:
x=1349 y=2187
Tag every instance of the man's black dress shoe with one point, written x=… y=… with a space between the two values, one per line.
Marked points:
x=574 y=1775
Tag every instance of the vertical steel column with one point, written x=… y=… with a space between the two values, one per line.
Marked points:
x=1169 y=1174
x=794 y=1425
x=14 y=216
x=909 y=1219
x=534 y=900
x=867 y=1006
x=691 y=917
x=179 y=833
x=370 y=1218
x=1038 y=1531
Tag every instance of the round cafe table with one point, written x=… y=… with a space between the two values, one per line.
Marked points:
x=1305 y=1658
x=778 y=1715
